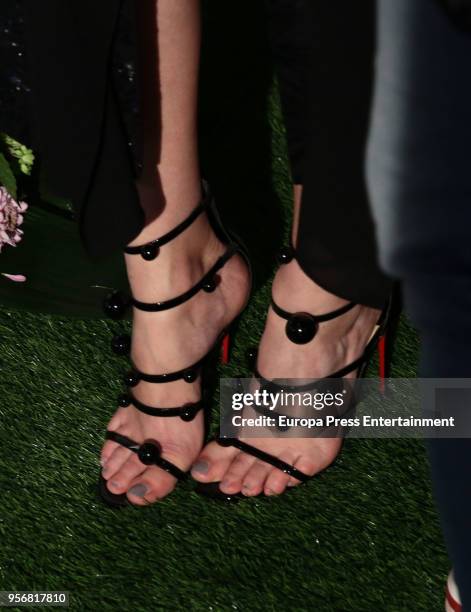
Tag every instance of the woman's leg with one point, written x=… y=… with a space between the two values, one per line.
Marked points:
x=170 y=188
x=421 y=184
x=326 y=99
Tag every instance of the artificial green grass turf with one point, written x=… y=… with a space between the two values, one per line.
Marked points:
x=363 y=536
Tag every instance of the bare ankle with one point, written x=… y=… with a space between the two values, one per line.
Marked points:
x=297 y=291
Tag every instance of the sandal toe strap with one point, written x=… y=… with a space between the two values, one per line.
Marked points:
x=208 y=283
x=149 y=453
x=266 y=457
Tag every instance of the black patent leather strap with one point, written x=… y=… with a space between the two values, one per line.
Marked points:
x=169 y=376
x=275 y=386
x=180 y=299
x=351 y=367
x=170 y=468
x=179 y=374
x=160 y=462
x=122 y=440
x=266 y=457
x=318 y=318
x=173 y=233
x=187 y=412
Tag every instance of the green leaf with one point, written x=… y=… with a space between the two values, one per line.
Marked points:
x=7 y=178
x=23 y=156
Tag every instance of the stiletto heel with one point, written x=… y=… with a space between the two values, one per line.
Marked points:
x=301 y=328
x=452 y=596
x=225 y=349
x=387 y=340
x=382 y=357
x=115 y=306
x=383 y=365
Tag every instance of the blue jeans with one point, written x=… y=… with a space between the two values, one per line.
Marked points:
x=419 y=177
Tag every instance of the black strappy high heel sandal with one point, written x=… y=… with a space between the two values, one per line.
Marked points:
x=115 y=306
x=301 y=328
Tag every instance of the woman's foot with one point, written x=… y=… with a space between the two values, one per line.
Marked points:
x=169 y=341
x=337 y=343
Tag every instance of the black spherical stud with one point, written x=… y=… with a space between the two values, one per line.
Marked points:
x=149 y=251
x=285 y=255
x=301 y=328
x=121 y=344
x=115 y=305
x=190 y=375
x=188 y=414
x=225 y=442
x=124 y=400
x=210 y=285
x=131 y=378
x=148 y=453
x=251 y=354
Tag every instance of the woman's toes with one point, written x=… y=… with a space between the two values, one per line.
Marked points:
x=254 y=480
x=232 y=480
x=115 y=462
x=108 y=448
x=306 y=466
x=152 y=485
x=326 y=451
x=277 y=481
x=213 y=462
x=121 y=480
x=110 y=445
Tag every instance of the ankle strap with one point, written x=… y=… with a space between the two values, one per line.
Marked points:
x=150 y=250
x=328 y=316
x=301 y=327
x=208 y=283
x=116 y=303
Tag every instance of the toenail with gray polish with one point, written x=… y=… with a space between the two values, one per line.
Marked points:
x=138 y=490
x=201 y=467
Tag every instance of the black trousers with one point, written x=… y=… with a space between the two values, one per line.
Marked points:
x=324 y=53
x=419 y=174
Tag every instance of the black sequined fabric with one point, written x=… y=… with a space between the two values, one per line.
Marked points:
x=15 y=89
x=124 y=67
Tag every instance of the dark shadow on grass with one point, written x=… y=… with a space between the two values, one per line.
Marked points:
x=235 y=135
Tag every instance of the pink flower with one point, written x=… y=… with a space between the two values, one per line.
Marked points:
x=11 y=217
x=16 y=278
